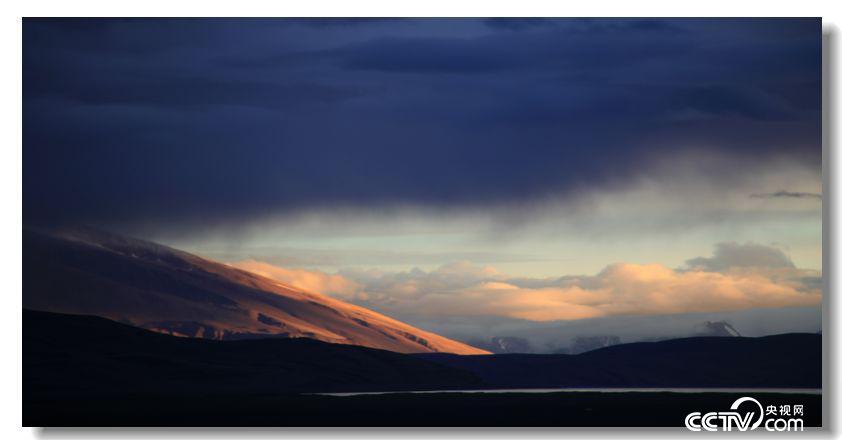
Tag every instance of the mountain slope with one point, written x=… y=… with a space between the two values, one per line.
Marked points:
x=73 y=356
x=80 y=271
x=791 y=360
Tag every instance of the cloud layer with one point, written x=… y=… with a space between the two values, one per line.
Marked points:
x=199 y=122
x=736 y=277
x=788 y=194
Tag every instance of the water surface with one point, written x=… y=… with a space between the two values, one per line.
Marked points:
x=747 y=391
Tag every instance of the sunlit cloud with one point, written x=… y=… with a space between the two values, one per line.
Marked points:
x=763 y=277
x=309 y=280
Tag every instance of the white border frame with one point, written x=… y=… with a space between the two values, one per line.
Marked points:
x=11 y=177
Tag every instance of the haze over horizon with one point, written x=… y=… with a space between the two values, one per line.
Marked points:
x=474 y=177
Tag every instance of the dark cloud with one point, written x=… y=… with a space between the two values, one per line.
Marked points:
x=217 y=120
x=744 y=101
x=736 y=255
x=517 y=24
x=432 y=55
x=343 y=22
x=787 y=195
x=568 y=53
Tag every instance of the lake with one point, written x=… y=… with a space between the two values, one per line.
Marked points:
x=596 y=390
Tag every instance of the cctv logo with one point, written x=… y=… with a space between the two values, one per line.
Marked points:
x=743 y=421
x=725 y=420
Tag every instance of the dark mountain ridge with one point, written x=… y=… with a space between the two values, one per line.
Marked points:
x=89 y=371
x=71 y=355
x=74 y=356
x=780 y=361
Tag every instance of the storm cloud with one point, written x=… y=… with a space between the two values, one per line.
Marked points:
x=204 y=121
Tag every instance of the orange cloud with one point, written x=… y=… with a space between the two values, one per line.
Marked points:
x=620 y=289
x=309 y=280
x=463 y=289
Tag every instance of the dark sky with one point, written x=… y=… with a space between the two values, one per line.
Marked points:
x=177 y=121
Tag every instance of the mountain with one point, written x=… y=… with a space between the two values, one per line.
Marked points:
x=716 y=328
x=79 y=357
x=504 y=344
x=788 y=361
x=82 y=271
x=582 y=344
x=90 y=371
